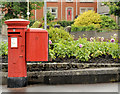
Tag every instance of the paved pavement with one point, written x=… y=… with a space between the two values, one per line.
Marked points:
x=104 y=87
x=3 y=38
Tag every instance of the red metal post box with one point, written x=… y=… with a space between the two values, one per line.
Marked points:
x=36 y=44
x=17 y=72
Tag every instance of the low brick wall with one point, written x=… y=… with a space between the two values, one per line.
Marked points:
x=31 y=67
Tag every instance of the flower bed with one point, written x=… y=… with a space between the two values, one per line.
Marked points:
x=82 y=50
x=63 y=48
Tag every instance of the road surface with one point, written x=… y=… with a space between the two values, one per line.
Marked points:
x=101 y=87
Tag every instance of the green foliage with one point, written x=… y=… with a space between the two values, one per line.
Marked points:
x=67 y=49
x=50 y=17
x=114 y=7
x=0 y=23
x=82 y=28
x=31 y=22
x=65 y=23
x=3 y=48
x=19 y=9
x=108 y=23
x=88 y=18
x=36 y=24
x=57 y=34
x=51 y=24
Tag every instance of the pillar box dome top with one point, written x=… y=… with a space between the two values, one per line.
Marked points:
x=17 y=23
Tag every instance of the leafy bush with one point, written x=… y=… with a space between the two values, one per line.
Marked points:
x=88 y=18
x=56 y=35
x=3 y=48
x=36 y=24
x=108 y=23
x=51 y=24
x=65 y=23
x=31 y=22
x=0 y=23
x=50 y=17
x=82 y=28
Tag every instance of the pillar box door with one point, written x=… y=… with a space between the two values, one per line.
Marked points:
x=17 y=72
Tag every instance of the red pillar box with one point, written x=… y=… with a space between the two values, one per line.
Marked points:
x=17 y=72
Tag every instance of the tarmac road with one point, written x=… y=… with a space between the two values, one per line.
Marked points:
x=101 y=87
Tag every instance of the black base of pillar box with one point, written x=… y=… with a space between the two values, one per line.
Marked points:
x=16 y=82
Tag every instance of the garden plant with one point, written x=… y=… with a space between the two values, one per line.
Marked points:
x=90 y=21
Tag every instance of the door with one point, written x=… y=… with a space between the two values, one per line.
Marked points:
x=69 y=14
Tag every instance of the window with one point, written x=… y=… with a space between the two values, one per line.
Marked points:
x=69 y=0
x=86 y=1
x=52 y=0
x=53 y=11
x=84 y=9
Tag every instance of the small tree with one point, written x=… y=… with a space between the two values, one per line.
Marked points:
x=19 y=9
x=114 y=7
x=88 y=18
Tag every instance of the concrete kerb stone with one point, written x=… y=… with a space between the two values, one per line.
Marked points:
x=80 y=76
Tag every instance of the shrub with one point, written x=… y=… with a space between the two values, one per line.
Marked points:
x=65 y=23
x=51 y=24
x=0 y=23
x=36 y=24
x=82 y=28
x=108 y=23
x=31 y=22
x=56 y=35
x=50 y=17
x=88 y=18
x=3 y=48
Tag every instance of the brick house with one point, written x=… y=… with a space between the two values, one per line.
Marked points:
x=66 y=9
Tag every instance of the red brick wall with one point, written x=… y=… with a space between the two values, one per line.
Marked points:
x=40 y=12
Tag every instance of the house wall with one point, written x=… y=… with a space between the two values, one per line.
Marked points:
x=40 y=12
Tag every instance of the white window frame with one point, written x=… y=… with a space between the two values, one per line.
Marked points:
x=52 y=0
x=56 y=11
x=86 y=1
x=69 y=0
x=72 y=12
x=86 y=9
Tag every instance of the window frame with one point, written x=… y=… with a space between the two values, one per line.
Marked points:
x=87 y=1
x=52 y=0
x=69 y=1
x=54 y=12
x=86 y=9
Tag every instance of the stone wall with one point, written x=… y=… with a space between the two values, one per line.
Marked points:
x=89 y=34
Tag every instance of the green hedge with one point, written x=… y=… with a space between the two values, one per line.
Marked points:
x=82 y=28
x=65 y=23
x=108 y=23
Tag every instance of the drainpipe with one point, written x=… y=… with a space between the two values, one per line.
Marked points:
x=76 y=7
x=61 y=9
x=97 y=6
x=45 y=14
x=35 y=12
x=28 y=13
